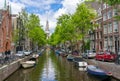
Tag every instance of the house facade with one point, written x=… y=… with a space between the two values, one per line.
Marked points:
x=106 y=35
x=5 y=29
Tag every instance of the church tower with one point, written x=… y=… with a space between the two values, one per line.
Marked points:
x=47 y=29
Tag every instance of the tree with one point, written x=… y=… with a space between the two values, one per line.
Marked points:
x=64 y=30
x=73 y=27
x=82 y=20
x=35 y=31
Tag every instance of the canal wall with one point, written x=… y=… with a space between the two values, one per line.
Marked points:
x=107 y=66
x=8 y=69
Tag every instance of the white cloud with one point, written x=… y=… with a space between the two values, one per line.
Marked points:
x=41 y=4
x=1 y=4
x=69 y=6
x=16 y=7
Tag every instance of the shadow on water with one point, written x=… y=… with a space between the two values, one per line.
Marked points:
x=51 y=67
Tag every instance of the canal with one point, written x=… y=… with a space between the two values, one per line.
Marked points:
x=51 y=67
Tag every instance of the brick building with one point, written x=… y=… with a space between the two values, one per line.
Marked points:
x=107 y=35
x=5 y=29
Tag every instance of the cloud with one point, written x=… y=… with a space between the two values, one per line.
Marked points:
x=44 y=9
x=69 y=6
x=16 y=6
x=1 y=4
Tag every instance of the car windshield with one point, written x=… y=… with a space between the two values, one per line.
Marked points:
x=20 y=52
x=107 y=52
x=90 y=51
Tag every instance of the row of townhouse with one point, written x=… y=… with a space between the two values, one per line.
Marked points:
x=107 y=35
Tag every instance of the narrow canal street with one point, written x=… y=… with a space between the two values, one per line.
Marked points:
x=51 y=67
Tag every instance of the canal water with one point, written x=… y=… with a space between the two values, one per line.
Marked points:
x=51 y=67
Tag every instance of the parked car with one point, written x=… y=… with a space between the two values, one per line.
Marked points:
x=106 y=56
x=27 y=53
x=89 y=54
x=20 y=54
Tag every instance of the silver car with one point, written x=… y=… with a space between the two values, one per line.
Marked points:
x=20 y=54
x=89 y=54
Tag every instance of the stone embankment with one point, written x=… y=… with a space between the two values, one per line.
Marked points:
x=8 y=69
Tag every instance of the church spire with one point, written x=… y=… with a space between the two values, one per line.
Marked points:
x=47 y=29
x=47 y=26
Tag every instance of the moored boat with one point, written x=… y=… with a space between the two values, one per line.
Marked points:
x=70 y=57
x=58 y=52
x=28 y=64
x=96 y=71
x=79 y=62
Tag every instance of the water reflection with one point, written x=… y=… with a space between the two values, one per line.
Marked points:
x=82 y=69
x=52 y=68
x=48 y=73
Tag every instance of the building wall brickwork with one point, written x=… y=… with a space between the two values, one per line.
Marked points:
x=6 y=30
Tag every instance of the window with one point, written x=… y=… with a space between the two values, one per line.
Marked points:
x=105 y=43
x=109 y=14
x=110 y=41
x=110 y=28
x=105 y=29
x=115 y=26
x=104 y=17
x=115 y=12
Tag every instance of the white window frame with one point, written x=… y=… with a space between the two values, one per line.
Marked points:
x=109 y=13
x=105 y=28
x=115 y=26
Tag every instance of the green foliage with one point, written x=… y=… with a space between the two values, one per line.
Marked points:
x=29 y=28
x=82 y=19
x=110 y=2
x=73 y=27
x=87 y=45
x=15 y=37
x=35 y=31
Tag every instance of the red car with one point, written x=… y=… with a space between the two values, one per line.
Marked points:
x=105 y=56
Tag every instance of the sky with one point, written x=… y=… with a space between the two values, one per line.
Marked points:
x=46 y=9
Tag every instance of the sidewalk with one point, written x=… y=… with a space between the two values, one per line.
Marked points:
x=7 y=69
